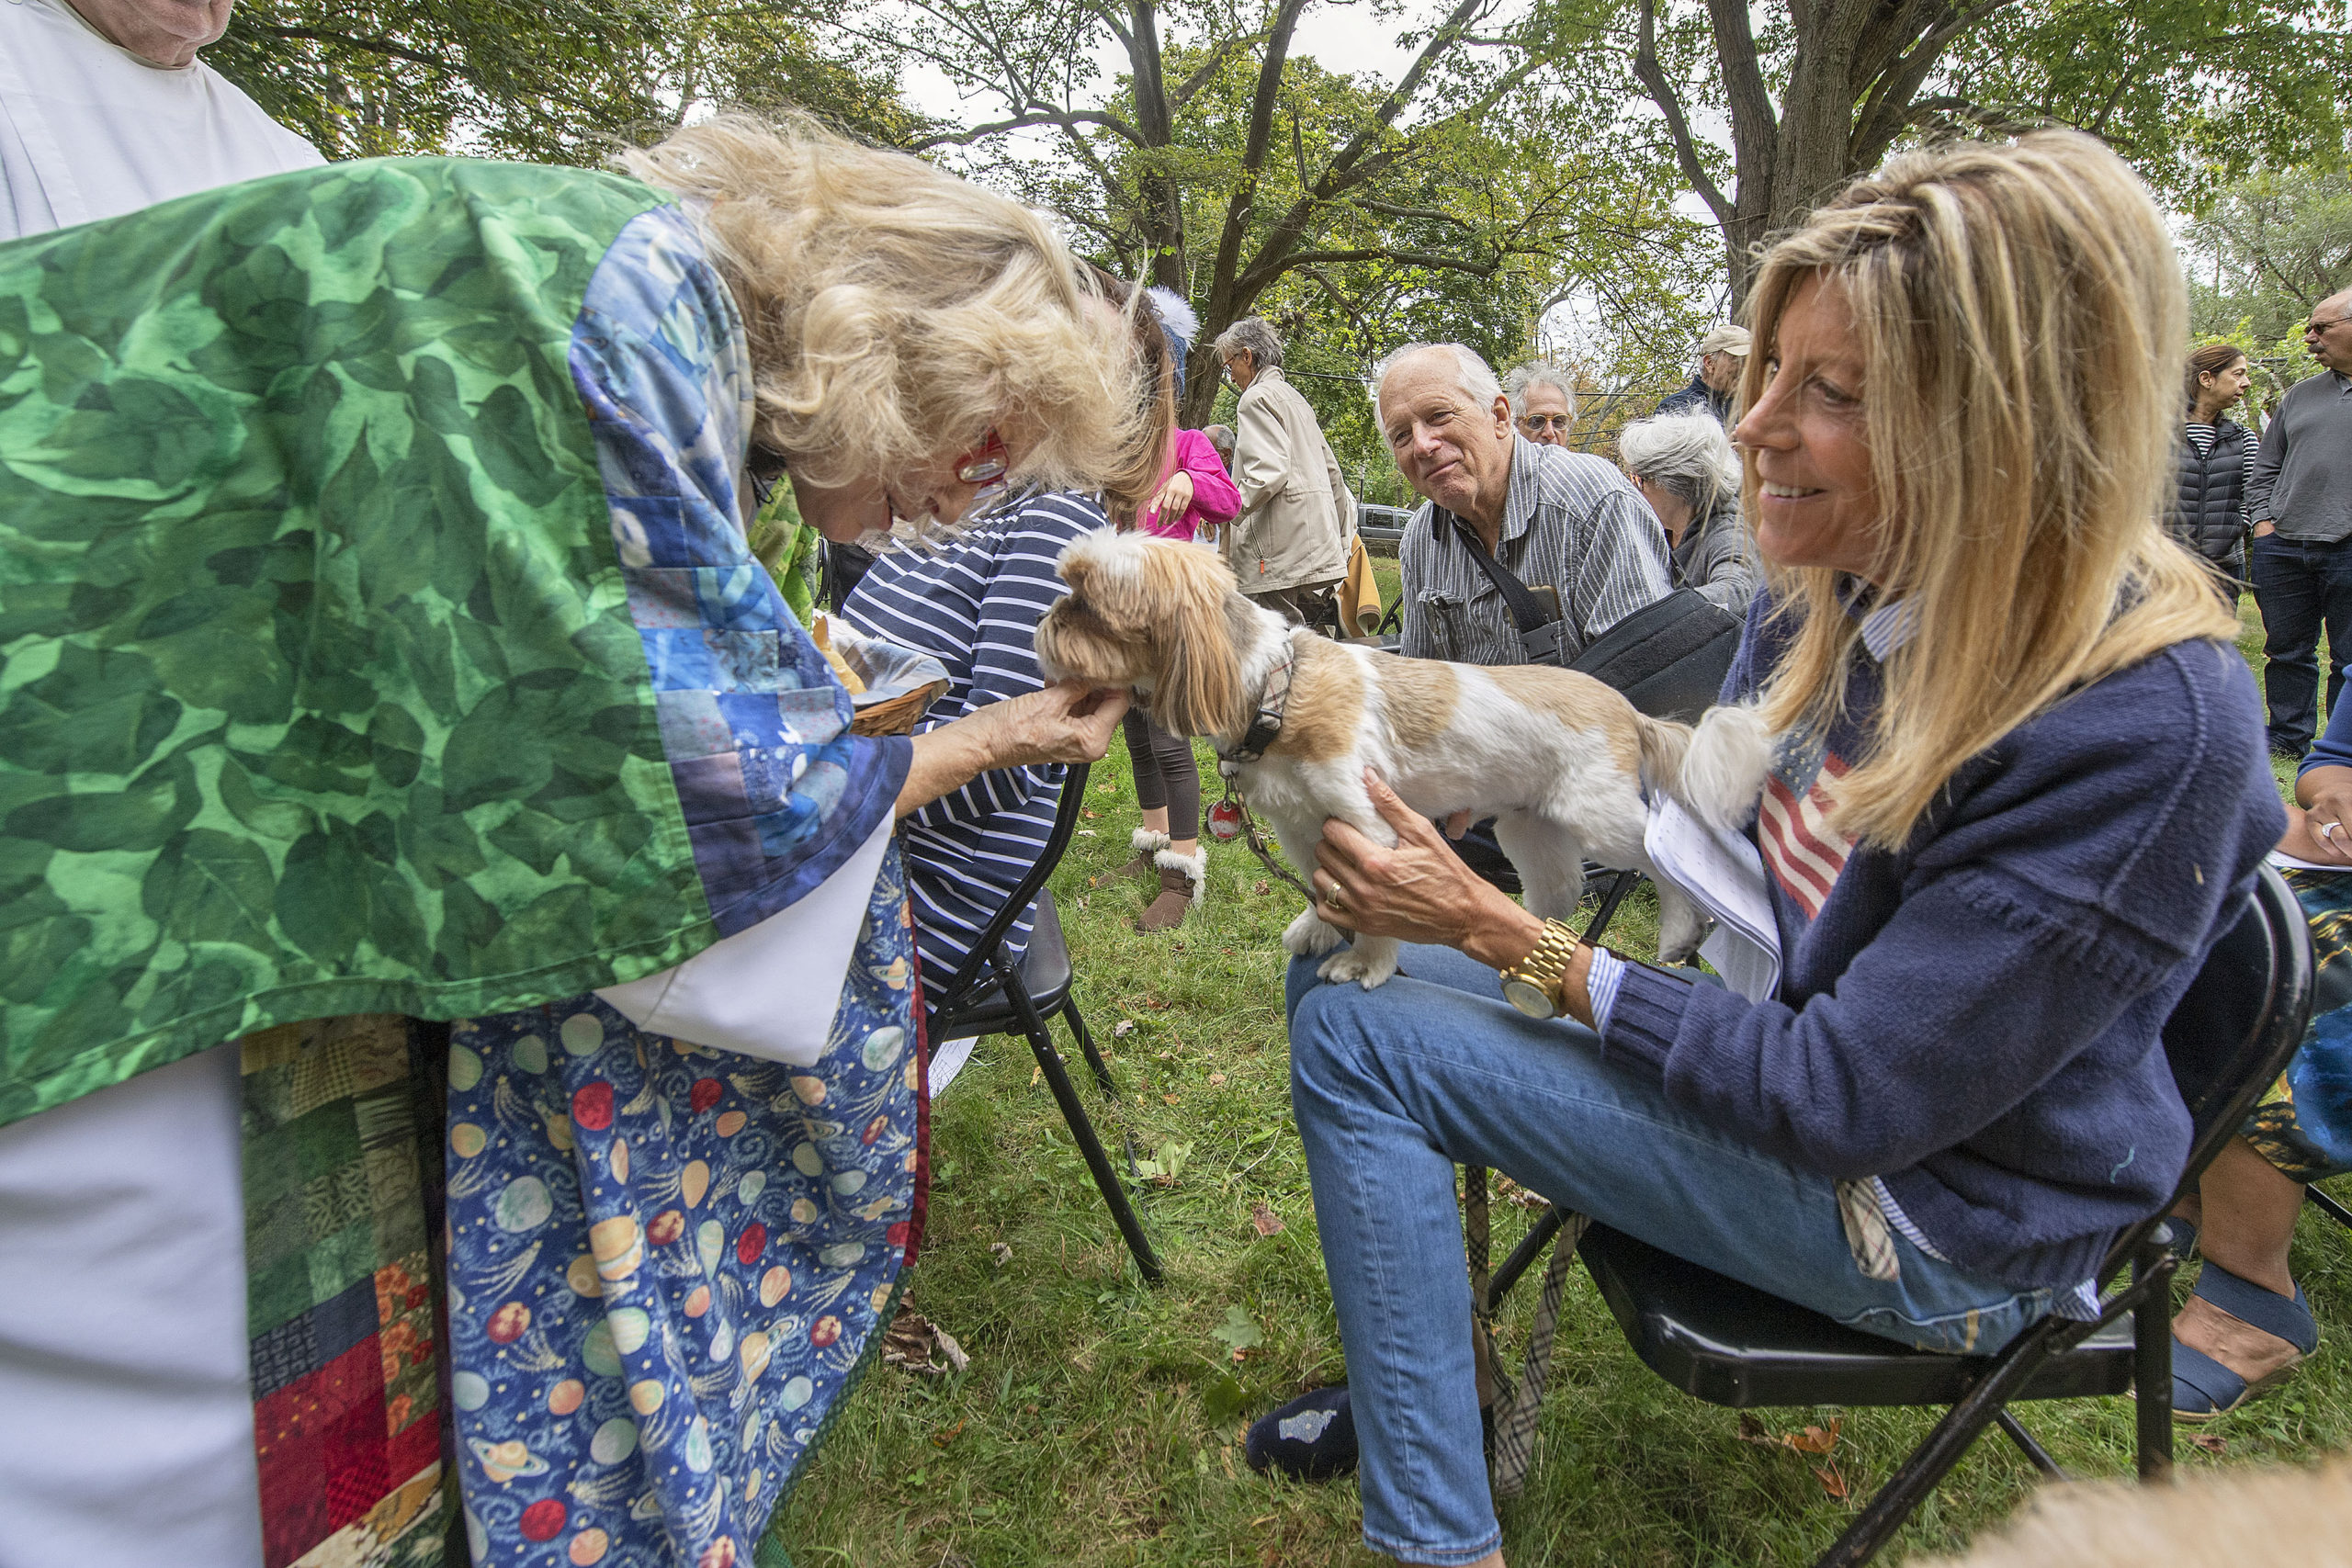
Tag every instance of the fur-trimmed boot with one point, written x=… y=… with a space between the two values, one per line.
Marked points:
x=1146 y=843
x=1182 y=879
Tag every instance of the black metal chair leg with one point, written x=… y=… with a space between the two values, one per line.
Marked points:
x=2027 y=1446
x=1609 y=902
x=1933 y=1460
x=2151 y=1270
x=1081 y=1129
x=1086 y=1044
x=1522 y=1256
x=2328 y=1206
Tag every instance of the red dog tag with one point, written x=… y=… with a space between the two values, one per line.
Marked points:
x=1225 y=821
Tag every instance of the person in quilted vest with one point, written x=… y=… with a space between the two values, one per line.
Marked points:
x=2216 y=461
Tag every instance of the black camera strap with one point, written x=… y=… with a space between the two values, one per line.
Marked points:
x=1539 y=631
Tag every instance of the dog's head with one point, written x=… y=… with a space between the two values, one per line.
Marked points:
x=1150 y=613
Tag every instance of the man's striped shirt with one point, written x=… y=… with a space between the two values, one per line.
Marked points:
x=974 y=604
x=1571 y=522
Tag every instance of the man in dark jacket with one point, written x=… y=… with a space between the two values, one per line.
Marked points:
x=1723 y=355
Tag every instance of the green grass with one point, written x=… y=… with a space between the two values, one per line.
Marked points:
x=1099 y=1422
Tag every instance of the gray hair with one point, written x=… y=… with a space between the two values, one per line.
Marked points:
x=1221 y=437
x=1537 y=373
x=1255 y=336
x=1476 y=377
x=1688 y=456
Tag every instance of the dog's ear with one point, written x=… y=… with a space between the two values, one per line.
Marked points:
x=1198 y=691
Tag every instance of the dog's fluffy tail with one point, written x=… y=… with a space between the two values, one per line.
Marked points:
x=1716 y=771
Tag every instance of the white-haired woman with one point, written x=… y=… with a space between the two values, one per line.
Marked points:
x=2021 y=789
x=451 y=690
x=1685 y=469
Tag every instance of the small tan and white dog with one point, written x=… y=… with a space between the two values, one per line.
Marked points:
x=1559 y=760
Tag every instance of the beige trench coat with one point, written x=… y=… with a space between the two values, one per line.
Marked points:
x=1296 y=509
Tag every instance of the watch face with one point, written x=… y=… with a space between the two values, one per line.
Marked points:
x=1529 y=997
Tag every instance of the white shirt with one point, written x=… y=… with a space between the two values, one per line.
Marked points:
x=90 y=130
x=123 y=1329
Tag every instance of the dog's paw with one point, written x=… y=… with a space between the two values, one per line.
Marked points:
x=1368 y=970
x=1310 y=933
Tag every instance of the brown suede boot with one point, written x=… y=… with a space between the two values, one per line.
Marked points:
x=1146 y=843
x=1182 y=880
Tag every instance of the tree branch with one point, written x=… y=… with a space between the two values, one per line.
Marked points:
x=1678 y=125
x=1067 y=119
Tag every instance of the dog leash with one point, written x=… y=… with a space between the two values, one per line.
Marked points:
x=1231 y=816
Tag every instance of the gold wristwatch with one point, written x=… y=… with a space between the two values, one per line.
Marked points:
x=1532 y=985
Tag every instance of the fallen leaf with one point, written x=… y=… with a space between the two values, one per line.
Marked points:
x=2212 y=1442
x=941 y=1439
x=1036 y=1071
x=1168 y=1100
x=1265 y=1219
x=1216 y=1078
x=1831 y=1481
x=1237 y=1333
x=921 y=1345
x=1260 y=889
x=1110 y=788
x=1090 y=815
x=1000 y=1253
x=1121 y=1029
x=1815 y=1440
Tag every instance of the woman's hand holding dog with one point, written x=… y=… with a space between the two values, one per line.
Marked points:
x=1070 y=722
x=1421 y=891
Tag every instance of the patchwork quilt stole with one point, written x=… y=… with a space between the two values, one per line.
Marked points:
x=340 y=1292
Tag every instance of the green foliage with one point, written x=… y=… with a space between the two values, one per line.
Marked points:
x=2268 y=248
x=559 y=82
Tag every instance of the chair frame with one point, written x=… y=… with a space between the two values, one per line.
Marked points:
x=991 y=979
x=2249 y=1069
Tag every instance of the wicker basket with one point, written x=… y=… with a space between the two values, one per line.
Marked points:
x=895 y=716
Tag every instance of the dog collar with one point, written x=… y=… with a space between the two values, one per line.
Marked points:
x=1267 y=723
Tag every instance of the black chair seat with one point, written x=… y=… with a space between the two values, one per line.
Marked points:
x=1730 y=1344
x=1044 y=974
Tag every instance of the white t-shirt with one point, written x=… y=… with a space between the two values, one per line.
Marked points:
x=90 y=130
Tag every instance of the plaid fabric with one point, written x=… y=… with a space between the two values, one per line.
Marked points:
x=340 y=1294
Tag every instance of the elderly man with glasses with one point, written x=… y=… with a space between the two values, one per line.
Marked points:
x=1543 y=402
x=2300 y=501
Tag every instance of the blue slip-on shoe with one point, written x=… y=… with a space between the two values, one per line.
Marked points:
x=2257 y=1328
x=1311 y=1439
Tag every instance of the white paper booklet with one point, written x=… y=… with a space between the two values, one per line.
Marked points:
x=1725 y=875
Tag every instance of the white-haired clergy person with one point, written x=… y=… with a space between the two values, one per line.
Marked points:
x=1289 y=545
x=546 y=758
x=1568 y=525
x=1723 y=355
x=1955 y=1096
x=105 y=108
x=1542 y=402
x=1685 y=467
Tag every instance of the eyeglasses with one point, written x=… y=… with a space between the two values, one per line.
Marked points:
x=1537 y=424
x=2316 y=329
x=984 y=464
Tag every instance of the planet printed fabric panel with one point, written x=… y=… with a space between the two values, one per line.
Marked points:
x=340 y=1292
x=667 y=1263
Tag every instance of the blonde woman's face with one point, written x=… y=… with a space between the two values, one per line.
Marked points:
x=933 y=490
x=1818 y=503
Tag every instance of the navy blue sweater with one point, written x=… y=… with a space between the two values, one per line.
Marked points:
x=1976 y=1019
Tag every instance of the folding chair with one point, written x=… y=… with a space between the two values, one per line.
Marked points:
x=993 y=994
x=1729 y=1344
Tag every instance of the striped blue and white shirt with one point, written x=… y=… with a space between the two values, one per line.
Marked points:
x=974 y=603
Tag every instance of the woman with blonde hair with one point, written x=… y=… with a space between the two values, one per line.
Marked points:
x=397 y=512
x=1990 y=881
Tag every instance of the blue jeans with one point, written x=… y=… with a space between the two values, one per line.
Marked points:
x=2301 y=585
x=1394 y=1088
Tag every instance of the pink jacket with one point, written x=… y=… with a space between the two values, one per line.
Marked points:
x=1215 y=499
